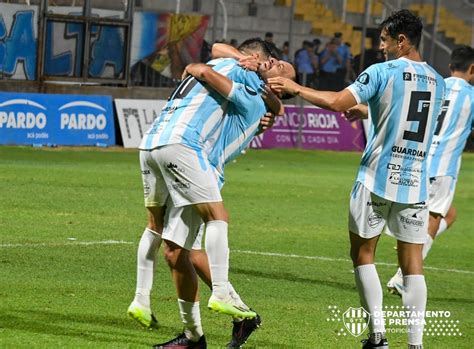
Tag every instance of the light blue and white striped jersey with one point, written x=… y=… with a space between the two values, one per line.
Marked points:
x=452 y=129
x=194 y=113
x=240 y=125
x=405 y=99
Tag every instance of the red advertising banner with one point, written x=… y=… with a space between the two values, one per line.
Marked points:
x=321 y=129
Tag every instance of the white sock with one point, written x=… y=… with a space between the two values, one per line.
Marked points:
x=427 y=246
x=191 y=318
x=371 y=296
x=217 y=249
x=147 y=248
x=414 y=301
x=443 y=226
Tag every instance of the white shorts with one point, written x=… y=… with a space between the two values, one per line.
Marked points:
x=441 y=194
x=369 y=213
x=183 y=226
x=180 y=172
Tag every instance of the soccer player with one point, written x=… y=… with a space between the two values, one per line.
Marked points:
x=177 y=173
x=453 y=128
x=404 y=96
x=240 y=124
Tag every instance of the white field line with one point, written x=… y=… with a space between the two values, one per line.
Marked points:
x=71 y=243
x=268 y=254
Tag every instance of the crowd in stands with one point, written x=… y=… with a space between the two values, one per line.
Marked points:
x=329 y=66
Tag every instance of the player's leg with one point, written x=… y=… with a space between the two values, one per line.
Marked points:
x=185 y=280
x=441 y=216
x=366 y=221
x=224 y=298
x=409 y=224
x=441 y=196
x=241 y=328
x=192 y=181
x=155 y=195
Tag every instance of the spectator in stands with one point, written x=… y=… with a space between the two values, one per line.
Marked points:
x=317 y=45
x=329 y=61
x=306 y=64
x=271 y=45
x=371 y=56
x=285 y=52
x=344 y=69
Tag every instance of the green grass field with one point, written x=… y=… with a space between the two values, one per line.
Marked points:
x=64 y=284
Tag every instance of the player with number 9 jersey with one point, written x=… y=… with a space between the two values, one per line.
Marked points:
x=404 y=99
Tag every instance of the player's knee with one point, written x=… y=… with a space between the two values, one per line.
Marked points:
x=176 y=257
x=451 y=216
x=361 y=256
x=155 y=219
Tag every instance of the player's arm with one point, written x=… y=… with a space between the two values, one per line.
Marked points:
x=205 y=73
x=226 y=51
x=336 y=101
x=249 y=62
x=273 y=102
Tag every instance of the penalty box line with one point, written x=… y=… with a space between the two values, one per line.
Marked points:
x=267 y=254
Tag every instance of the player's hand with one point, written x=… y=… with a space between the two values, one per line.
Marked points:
x=249 y=62
x=357 y=112
x=267 y=121
x=195 y=69
x=281 y=85
x=186 y=71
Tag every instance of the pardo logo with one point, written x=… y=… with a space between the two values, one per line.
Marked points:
x=20 y=119
x=82 y=121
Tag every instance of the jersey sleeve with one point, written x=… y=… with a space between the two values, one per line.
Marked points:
x=246 y=99
x=367 y=84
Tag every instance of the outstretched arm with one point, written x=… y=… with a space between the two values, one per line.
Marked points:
x=336 y=101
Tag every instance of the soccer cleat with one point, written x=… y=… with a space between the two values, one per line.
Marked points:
x=228 y=305
x=142 y=315
x=183 y=342
x=242 y=331
x=395 y=284
x=379 y=339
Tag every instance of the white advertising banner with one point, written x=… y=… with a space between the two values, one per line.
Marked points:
x=135 y=117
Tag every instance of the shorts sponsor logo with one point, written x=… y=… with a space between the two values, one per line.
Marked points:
x=413 y=221
x=376 y=204
x=146 y=172
x=179 y=185
x=374 y=219
x=146 y=188
x=174 y=168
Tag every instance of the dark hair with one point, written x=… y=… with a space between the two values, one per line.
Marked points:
x=406 y=23
x=269 y=35
x=255 y=44
x=461 y=58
